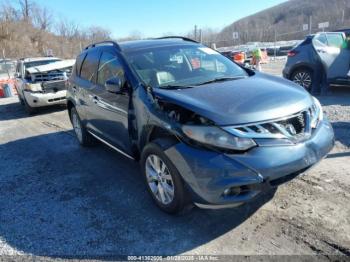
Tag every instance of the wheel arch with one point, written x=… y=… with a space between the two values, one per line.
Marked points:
x=154 y=133
x=70 y=105
x=299 y=67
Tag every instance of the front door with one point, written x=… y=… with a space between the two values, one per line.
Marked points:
x=110 y=116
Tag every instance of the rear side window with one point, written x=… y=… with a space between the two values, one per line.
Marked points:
x=335 y=40
x=321 y=39
x=109 y=67
x=89 y=67
x=78 y=63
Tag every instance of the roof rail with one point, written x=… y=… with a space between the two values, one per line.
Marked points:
x=113 y=43
x=179 y=37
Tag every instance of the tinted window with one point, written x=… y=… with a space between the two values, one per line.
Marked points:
x=321 y=39
x=78 y=63
x=109 y=67
x=335 y=40
x=89 y=67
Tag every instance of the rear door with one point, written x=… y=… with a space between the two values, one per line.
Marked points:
x=329 y=49
x=110 y=115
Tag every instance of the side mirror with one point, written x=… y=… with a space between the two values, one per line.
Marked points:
x=17 y=75
x=114 y=85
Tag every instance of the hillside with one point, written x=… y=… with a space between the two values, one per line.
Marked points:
x=286 y=20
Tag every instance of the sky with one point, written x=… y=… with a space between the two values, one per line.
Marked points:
x=155 y=17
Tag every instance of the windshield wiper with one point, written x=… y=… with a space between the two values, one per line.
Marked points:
x=174 y=87
x=221 y=79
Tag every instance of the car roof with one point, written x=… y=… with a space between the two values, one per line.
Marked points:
x=34 y=59
x=153 y=43
x=135 y=45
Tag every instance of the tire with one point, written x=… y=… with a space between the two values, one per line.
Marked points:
x=303 y=77
x=170 y=181
x=30 y=110
x=83 y=136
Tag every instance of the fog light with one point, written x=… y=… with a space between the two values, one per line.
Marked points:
x=233 y=191
x=227 y=192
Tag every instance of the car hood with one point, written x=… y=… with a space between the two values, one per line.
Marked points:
x=257 y=98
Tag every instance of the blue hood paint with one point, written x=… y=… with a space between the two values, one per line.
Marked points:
x=257 y=98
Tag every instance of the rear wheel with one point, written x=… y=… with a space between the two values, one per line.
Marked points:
x=163 y=180
x=303 y=77
x=83 y=136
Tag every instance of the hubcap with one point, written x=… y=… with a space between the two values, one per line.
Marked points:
x=303 y=79
x=159 y=179
x=77 y=126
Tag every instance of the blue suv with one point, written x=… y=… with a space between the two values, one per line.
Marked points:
x=204 y=129
x=321 y=56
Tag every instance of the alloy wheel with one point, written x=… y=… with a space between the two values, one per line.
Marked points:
x=159 y=179
x=303 y=79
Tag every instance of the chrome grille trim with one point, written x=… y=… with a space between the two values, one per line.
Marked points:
x=51 y=76
x=281 y=128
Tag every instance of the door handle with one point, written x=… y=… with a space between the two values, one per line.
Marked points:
x=94 y=99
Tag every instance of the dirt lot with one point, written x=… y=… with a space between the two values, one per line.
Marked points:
x=58 y=199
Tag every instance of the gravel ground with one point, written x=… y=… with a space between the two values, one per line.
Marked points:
x=59 y=200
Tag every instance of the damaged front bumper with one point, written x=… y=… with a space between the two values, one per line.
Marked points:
x=39 y=99
x=46 y=93
x=209 y=174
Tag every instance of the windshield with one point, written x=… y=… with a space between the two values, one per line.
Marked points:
x=40 y=63
x=182 y=66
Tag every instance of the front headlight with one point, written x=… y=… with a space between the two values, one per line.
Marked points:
x=32 y=87
x=214 y=136
x=316 y=113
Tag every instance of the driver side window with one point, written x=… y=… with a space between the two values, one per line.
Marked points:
x=108 y=68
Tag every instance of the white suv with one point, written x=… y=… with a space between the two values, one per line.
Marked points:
x=41 y=81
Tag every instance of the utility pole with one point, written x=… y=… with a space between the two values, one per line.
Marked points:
x=342 y=18
x=310 y=24
x=200 y=36
x=275 y=51
x=195 y=32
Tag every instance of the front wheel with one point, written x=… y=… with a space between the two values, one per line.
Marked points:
x=303 y=77
x=163 y=180
x=30 y=110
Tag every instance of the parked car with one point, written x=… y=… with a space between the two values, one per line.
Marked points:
x=236 y=56
x=204 y=129
x=41 y=81
x=322 y=50
x=7 y=72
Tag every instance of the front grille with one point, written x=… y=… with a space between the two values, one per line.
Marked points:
x=297 y=122
x=51 y=76
x=54 y=86
x=296 y=127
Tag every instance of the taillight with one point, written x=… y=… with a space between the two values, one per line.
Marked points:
x=292 y=53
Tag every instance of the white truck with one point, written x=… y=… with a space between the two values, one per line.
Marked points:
x=41 y=81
